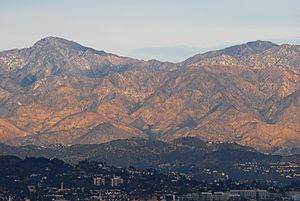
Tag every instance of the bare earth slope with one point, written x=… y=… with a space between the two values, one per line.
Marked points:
x=58 y=91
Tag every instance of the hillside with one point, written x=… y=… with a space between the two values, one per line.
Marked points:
x=60 y=92
x=186 y=155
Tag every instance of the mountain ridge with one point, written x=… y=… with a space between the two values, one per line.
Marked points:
x=58 y=91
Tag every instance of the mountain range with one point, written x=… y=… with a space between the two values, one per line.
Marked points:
x=60 y=92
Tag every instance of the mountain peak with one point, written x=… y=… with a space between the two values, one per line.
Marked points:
x=236 y=51
x=52 y=39
x=252 y=47
x=261 y=43
x=57 y=42
x=54 y=42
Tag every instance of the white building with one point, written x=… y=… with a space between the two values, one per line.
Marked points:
x=99 y=181
x=116 y=181
x=252 y=194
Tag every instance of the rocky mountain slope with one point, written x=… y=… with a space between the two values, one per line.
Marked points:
x=58 y=91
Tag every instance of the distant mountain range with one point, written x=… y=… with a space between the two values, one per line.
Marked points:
x=60 y=92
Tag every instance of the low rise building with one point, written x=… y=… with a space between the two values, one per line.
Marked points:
x=116 y=181
x=99 y=181
x=255 y=194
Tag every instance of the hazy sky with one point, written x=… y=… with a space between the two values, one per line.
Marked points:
x=162 y=29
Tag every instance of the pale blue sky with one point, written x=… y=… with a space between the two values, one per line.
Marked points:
x=162 y=29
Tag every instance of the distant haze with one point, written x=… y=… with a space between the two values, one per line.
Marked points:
x=167 y=30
